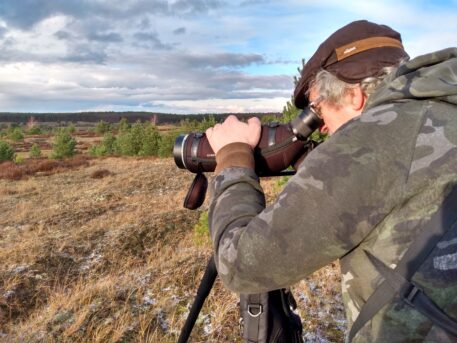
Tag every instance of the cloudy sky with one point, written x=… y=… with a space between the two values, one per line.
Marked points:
x=183 y=56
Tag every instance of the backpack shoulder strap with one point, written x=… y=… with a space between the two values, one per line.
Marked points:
x=397 y=281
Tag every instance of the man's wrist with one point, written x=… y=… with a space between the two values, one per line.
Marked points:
x=234 y=155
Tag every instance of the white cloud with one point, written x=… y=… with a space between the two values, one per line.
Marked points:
x=118 y=54
x=39 y=42
x=259 y=105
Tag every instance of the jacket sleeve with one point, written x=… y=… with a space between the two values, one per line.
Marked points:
x=324 y=211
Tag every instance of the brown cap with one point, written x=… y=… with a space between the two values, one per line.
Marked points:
x=354 y=52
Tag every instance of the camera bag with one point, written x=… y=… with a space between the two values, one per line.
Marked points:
x=269 y=318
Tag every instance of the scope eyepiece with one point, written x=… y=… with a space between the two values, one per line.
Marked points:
x=306 y=123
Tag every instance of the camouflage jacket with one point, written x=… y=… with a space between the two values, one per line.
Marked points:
x=370 y=186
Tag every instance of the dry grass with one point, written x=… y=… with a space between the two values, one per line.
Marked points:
x=114 y=259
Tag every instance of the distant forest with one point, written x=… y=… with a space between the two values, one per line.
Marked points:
x=114 y=117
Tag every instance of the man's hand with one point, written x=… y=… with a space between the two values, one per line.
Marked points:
x=234 y=131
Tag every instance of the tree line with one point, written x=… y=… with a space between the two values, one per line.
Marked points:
x=114 y=117
x=121 y=138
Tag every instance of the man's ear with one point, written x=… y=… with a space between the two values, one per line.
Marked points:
x=358 y=98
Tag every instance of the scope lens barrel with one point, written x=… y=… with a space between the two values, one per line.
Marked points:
x=178 y=151
x=193 y=152
x=279 y=145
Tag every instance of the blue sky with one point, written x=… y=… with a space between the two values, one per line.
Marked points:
x=195 y=56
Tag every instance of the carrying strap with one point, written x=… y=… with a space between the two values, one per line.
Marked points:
x=414 y=296
x=396 y=281
x=255 y=322
x=254 y=310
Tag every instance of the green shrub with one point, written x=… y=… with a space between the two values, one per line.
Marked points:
x=124 y=144
x=269 y=119
x=123 y=125
x=193 y=125
x=206 y=123
x=102 y=127
x=71 y=128
x=34 y=130
x=139 y=140
x=137 y=135
x=35 y=151
x=151 y=141
x=97 y=150
x=167 y=142
x=129 y=142
x=6 y=152
x=16 y=134
x=107 y=147
x=289 y=112
x=19 y=159
x=64 y=145
x=108 y=142
x=188 y=125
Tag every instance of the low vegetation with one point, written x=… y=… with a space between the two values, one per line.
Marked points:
x=117 y=259
x=41 y=167
x=6 y=152
x=64 y=145
x=100 y=249
x=35 y=151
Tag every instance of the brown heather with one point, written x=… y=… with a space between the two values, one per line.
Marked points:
x=100 y=173
x=113 y=258
x=13 y=171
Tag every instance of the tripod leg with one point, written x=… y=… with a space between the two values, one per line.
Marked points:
x=202 y=293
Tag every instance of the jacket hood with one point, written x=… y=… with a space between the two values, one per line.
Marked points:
x=430 y=76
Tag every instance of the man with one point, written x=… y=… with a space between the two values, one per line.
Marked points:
x=379 y=194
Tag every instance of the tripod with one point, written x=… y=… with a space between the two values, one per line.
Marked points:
x=206 y=284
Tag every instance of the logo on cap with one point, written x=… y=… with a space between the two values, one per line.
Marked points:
x=362 y=45
x=348 y=50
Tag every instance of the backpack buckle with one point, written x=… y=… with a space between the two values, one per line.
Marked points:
x=255 y=310
x=411 y=294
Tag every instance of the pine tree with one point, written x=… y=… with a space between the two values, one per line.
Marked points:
x=289 y=111
x=64 y=145
x=6 y=152
x=123 y=125
x=151 y=141
x=102 y=127
x=35 y=151
x=206 y=123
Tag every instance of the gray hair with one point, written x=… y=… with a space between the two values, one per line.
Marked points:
x=332 y=89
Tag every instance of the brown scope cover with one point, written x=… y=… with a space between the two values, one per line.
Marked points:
x=278 y=148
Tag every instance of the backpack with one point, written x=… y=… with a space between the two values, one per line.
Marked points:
x=398 y=284
x=269 y=318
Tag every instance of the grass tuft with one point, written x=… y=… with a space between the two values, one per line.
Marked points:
x=100 y=173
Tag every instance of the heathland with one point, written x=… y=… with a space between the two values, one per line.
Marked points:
x=98 y=248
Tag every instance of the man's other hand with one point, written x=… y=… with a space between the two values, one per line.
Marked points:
x=234 y=131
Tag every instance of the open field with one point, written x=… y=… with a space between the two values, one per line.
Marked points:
x=85 y=137
x=104 y=252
